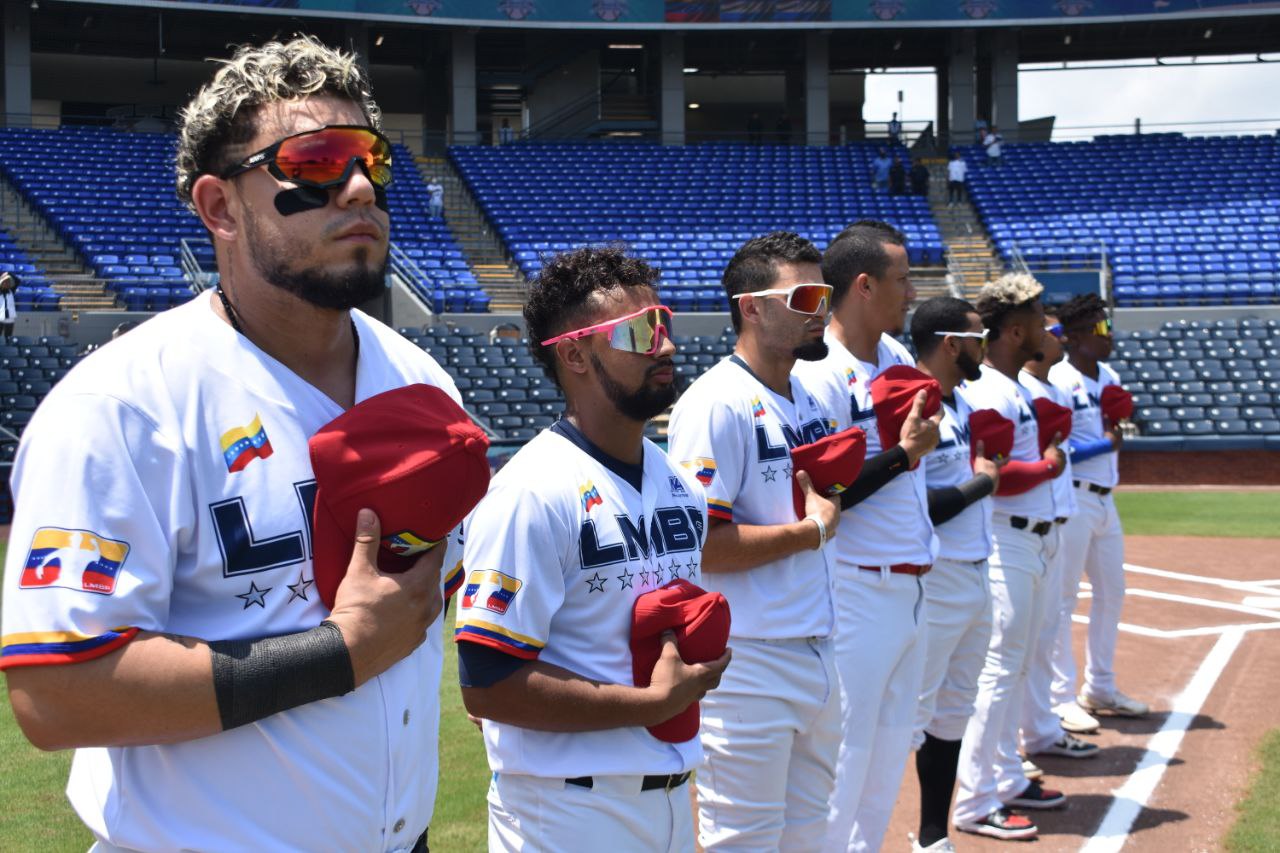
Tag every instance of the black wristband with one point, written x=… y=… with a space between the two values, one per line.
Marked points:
x=254 y=679
x=948 y=502
x=876 y=472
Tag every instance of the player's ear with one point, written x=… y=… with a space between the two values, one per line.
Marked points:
x=573 y=355
x=862 y=285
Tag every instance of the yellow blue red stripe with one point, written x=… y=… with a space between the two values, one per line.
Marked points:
x=46 y=647
x=720 y=509
x=488 y=634
x=242 y=445
x=454 y=580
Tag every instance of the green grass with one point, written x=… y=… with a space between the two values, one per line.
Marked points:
x=1258 y=826
x=1252 y=514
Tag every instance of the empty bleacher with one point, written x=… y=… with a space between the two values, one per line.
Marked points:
x=685 y=209
x=34 y=294
x=1182 y=221
x=110 y=195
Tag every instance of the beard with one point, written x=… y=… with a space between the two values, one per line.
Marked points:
x=811 y=351
x=643 y=403
x=970 y=369
x=339 y=290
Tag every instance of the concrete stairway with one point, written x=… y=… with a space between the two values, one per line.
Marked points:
x=484 y=252
x=971 y=256
x=79 y=286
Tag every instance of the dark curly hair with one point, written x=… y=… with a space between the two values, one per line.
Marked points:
x=939 y=314
x=1080 y=310
x=558 y=296
x=856 y=250
x=755 y=265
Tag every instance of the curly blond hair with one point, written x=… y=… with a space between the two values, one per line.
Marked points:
x=1008 y=294
x=221 y=115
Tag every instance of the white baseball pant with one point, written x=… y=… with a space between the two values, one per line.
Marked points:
x=880 y=651
x=958 y=608
x=532 y=814
x=1092 y=541
x=770 y=735
x=1016 y=571
x=1040 y=724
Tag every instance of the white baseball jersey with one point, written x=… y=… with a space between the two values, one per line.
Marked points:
x=891 y=526
x=967 y=535
x=555 y=556
x=735 y=435
x=165 y=485
x=1086 y=418
x=996 y=391
x=1064 y=493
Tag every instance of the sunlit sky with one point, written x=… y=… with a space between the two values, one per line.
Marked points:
x=1229 y=96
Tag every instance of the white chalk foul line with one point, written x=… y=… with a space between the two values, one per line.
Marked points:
x=1131 y=797
x=1259 y=587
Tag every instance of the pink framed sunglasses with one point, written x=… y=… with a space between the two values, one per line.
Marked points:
x=639 y=332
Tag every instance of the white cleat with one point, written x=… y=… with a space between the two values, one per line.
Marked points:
x=1076 y=719
x=1119 y=704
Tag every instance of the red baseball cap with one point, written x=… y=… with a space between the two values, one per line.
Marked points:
x=832 y=462
x=1054 y=420
x=994 y=430
x=414 y=457
x=1117 y=403
x=892 y=395
x=700 y=621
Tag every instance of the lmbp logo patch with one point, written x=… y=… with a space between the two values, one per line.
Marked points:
x=703 y=469
x=73 y=559
x=490 y=589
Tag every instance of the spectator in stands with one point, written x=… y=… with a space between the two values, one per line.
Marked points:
x=120 y=330
x=897 y=177
x=979 y=130
x=505 y=133
x=880 y=170
x=435 y=198
x=919 y=179
x=895 y=130
x=755 y=129
x=992 y=142
x=957 y=170
x=8 y=306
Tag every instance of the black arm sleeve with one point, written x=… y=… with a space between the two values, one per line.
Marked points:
x=876 y=471
x=945 y=504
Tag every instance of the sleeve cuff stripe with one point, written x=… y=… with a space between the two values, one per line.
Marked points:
x=31 y=654
x=476 y=634
x=719 y=512
x=454 y=582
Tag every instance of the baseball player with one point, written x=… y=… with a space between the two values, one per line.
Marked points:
x=215 y=703
x=585 y=518
x=771 y=730
x=1023 y=515
x=1092 y=540
x=886 y=541
x=949 y=337
x=1042 y=731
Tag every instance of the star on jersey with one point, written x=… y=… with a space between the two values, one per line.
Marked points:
x=625 y=578
x=690 y=568
x=770 y=474
x=255 y=596
x=674 y=568
x=786 y=470
x=299 y=589
x=644 y=577
x=596 y=583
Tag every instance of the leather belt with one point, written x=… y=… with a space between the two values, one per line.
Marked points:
x=902 y=569
x=1093 y=487
x=650 y=783
x=1021 y=522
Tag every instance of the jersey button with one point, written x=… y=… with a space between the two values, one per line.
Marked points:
x=406 y=716
x=399 y=825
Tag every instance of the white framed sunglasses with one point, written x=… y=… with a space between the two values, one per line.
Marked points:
x=805 y=298
x=982 y=336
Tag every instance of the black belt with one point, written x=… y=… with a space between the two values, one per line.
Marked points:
x=1093 y=487
x=650 y=783
x=1062 y=519
x=1021 y=522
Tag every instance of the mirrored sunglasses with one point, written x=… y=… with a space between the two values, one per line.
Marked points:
x=323 y=158
x=1102 y=328
x=801 y=298
x=639 y=332
x=1055 y=330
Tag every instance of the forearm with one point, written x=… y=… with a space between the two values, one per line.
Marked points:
x=876 y=472
x=946 y=503
x=549 y=698
x=1019 y=477
x=156 y=689
x=737 y=547
x=1082 y=450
